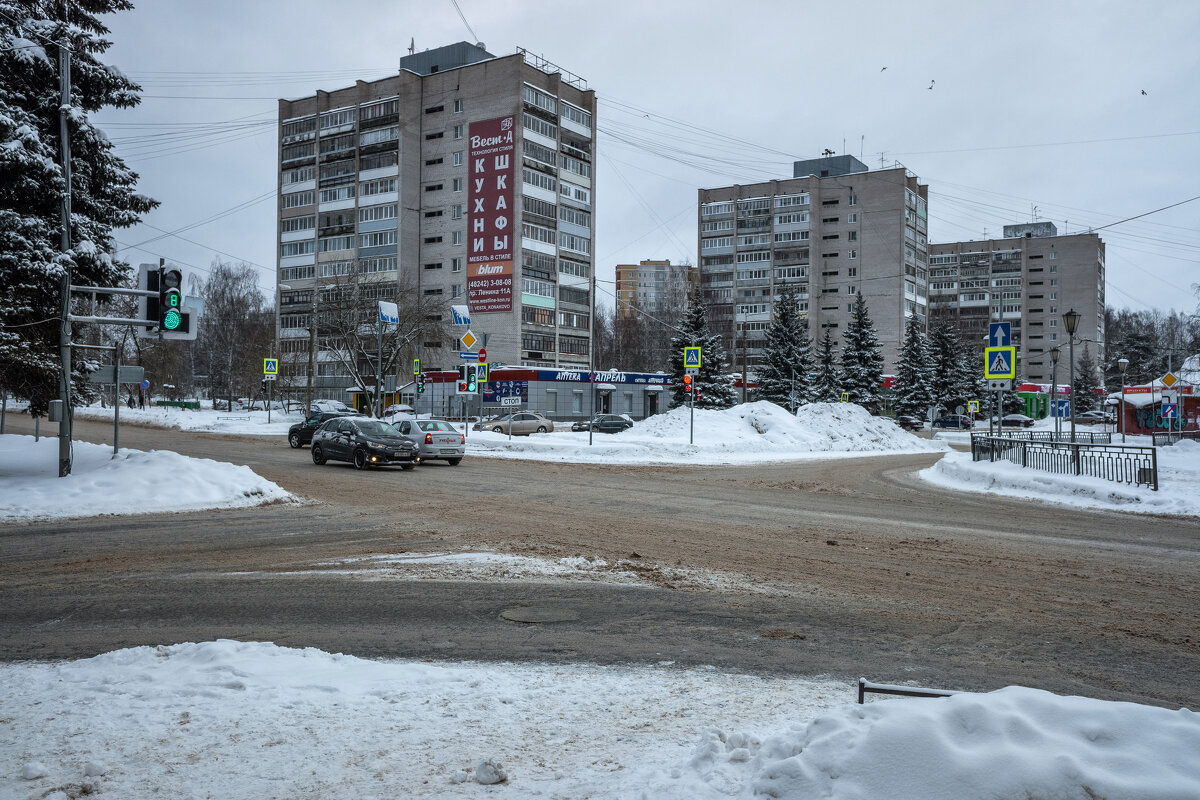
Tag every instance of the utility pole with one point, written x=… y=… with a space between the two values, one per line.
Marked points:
x=64 y=330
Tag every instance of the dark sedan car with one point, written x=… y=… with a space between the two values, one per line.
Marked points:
x=302 y=432
x=603 y=423
x=956 y=421
x=363 y=442
x=910 y=423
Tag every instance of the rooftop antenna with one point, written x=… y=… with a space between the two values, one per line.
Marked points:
x=412 y=45
x=861 y=143
x=1035 y=210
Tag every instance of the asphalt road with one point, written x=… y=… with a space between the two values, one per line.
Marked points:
x=844 y=567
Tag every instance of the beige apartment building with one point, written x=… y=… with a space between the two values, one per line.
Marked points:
x=657 y=288
x=1029 y=278
x=466 y=175
x=834 y=231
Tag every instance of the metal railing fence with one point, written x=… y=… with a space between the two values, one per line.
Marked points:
x=1085 y=437
x=1137 y=466
x=1173 y=436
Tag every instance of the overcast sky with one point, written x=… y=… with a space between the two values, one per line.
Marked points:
x=1036 y=107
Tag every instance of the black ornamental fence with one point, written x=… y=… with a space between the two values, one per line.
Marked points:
x=1087 y=437
x=1137 y=466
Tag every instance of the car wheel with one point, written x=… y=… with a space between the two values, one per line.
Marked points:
x=360 y=459
x=318 y=454
x=541 y=429
x=407 y=467
x=497 y=429
x=453 y=461
x=294 y=440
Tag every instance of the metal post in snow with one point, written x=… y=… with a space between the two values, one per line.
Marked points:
x=117 y=402
x=64 y=330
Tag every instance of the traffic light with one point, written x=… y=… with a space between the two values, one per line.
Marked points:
x=472 y=378
x=687 y=384
x=420 y=383
x=170 y=299
x=461 y=386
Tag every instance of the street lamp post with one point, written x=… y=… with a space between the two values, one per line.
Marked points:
x=1054 y=353
x=1071 y=322
x=1123 y=364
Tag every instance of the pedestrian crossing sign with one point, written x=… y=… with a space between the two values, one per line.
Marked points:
x=973 y=406
x=270 y=366
x=691 y=358
x=999 y=363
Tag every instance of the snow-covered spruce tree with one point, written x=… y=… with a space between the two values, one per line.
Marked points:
x=712 y=381
x=948 y=383
x=914 y=373
x=827 y=385
x=32 y=185
x=788 y=354
x=1084 y=392
x=862 y=363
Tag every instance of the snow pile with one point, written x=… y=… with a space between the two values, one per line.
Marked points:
x=135 y=482
x=1178 y=483
x=1015 y=742
x=238 y=422
x=249 y=720
x=747 y=433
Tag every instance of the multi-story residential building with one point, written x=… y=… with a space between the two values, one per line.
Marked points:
x=467 y=178
x=658 y=288
x=834 y=231
x=1029 y=278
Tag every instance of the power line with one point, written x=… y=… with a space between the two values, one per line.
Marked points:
x=1047 y=144
x=463 y=17
x=1148 y=213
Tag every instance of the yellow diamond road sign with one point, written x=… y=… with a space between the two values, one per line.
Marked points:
x=469 y=340
x=999 y=363
x=1169 y=380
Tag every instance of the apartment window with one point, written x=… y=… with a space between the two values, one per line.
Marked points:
x=578 y=244
x=568 y=267
x=458 y=131
x=432 y=239
x=437 y=135
x=1053 y=323
x=299 y=175
x=578 y=167
x=377 y=264
x=852 y=254
x=336 y=194
x=458 y=106
x=335 y=269
x=537 y=233
x=299 y=129
x=378 y=186
x=432 y=214
x=432 y=292
x=433 y=187
x=297 y=273
x=458 y=158
x=573 y=192
x=296 y=199
x=789 y=200
x=538 y=179
x=851 y=218
x=539 y=99
x=379 y=135
x=293 y=224
x=429 y=162
x=456 y=265
x=852 y=236
x=377 y=239
x=434 y=109
x=456 y=237
x=576 y=115
x=434 y=265
x=1054 y=281
x=378 y=160
x=456 y=185
x=574 y=216
x=300 y=248
x=331 y=244
x=536 y=152
x=378 y=110
x=1053 y=254
x=376 y=213
x=568 y=294
x=456 y=290
x=456 y=211
x=539 y=125
x=337 y=118
x=854 y=201
x=715 y=209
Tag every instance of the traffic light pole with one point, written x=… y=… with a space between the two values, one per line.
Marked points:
x=64 y=329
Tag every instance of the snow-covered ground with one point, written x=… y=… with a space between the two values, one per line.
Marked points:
x=136 y=482
x=237 y=422
x=1178 y=481
x=251 y=720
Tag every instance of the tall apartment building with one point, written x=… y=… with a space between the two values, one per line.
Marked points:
x=1030 y=278
x=835 y=230
x=658 y=288
x=467 y=176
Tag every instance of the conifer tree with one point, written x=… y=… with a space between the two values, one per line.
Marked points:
x=827 y=385
x=712 y=382
x=32 y=184
x=783 y=378
x=1084 y=392
x=862 y=362
x=914 y=373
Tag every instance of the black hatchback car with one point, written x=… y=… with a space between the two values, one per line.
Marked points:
x=603 y=423
x=302 y=432
x=363 y=442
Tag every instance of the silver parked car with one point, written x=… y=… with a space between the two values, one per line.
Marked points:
x=436 y=439
x=522 y=423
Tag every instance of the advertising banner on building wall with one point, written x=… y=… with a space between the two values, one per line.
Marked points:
x=490 y=215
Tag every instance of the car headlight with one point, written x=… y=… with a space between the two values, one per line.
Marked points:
x=376 y=446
